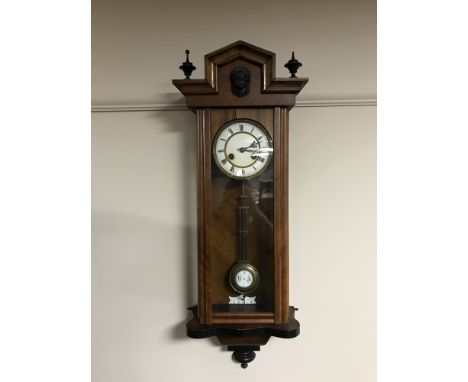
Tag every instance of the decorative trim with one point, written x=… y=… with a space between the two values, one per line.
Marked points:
x=138 y=107
x=241 y=299
x=168 y=107
x=337 y=102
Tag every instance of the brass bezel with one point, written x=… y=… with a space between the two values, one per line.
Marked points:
x=244 y=265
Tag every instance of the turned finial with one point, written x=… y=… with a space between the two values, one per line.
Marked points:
x=292 y=65
x=187 y=67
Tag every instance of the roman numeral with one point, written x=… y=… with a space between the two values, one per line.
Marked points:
x=259 y=138
x=261 y=159
x=241 y=127
x=221 y=151
x=243 y=172
x=230 y=130
x=224 y=161
x=232 y=169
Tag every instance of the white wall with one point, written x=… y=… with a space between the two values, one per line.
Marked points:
x=144 y=197
x=138 y=45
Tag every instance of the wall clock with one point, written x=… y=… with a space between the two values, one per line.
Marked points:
x=242 y=129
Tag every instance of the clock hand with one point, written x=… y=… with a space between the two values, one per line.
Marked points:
x=243 y=149
x=259 y=150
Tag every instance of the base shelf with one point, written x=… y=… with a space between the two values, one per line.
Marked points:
x=243 y=340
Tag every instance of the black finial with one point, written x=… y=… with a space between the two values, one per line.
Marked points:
x=244 y=353
x=187 y=67
x=293 y=65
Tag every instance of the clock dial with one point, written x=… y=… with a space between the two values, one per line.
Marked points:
x=242 y=149
x=244 y=279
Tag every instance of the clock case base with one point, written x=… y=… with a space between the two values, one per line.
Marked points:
x=243 y=340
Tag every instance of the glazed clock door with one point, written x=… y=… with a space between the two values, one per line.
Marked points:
x=241 y=236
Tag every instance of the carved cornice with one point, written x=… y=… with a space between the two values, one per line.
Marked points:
x=249 y=53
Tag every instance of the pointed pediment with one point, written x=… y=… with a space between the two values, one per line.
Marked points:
x=242 y=51
x=265 y=89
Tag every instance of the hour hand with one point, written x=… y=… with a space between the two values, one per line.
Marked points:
x=243 y=149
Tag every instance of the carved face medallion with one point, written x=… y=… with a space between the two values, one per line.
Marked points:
x=240 y=81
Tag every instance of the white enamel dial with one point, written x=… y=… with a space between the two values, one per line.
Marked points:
x=242 y=149
x=244 y=279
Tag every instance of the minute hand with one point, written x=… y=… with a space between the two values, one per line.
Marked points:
x=261 y=150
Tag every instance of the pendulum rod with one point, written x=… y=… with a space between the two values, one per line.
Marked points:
x=243 y=209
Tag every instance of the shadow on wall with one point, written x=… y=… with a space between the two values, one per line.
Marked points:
x=144 y=267
x=137 y=275
x=185 y=125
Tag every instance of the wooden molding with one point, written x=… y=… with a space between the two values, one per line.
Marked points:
x=96 y=108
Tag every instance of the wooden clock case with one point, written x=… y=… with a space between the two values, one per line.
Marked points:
x=268 y=102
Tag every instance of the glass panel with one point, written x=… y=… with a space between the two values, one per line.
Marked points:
x=241 y=236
